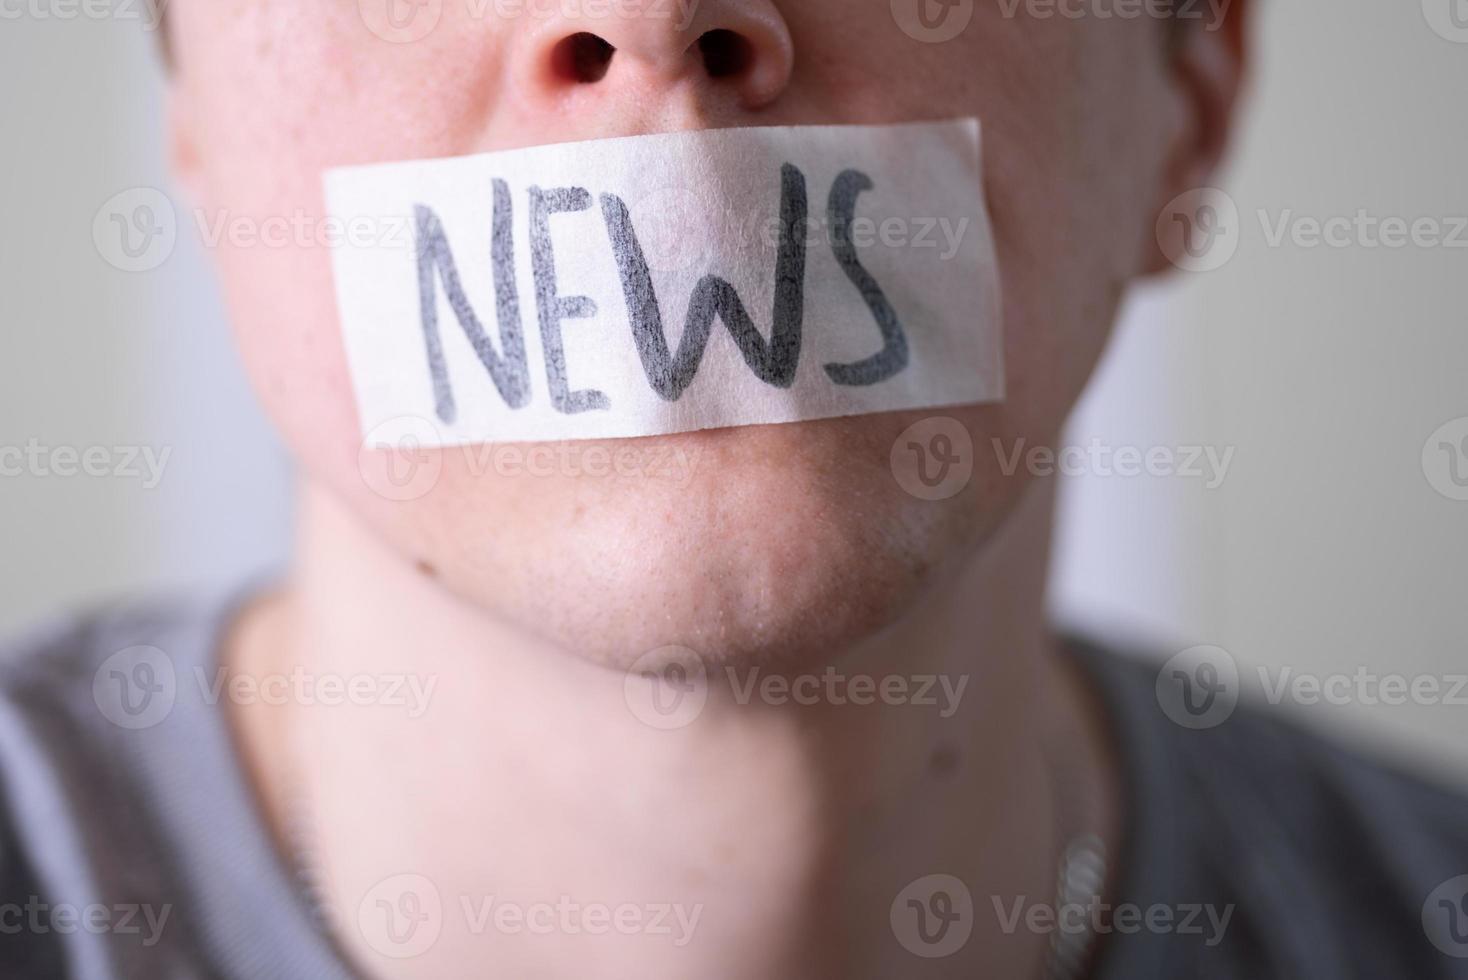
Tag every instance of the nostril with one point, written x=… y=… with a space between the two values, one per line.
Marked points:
x=583 y=58
x=725 y=53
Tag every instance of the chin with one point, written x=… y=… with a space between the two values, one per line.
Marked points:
x=779 y=545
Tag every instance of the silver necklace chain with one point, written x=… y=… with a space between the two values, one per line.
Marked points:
x=1080 y=882
x=306 y=871
x=1080 y=876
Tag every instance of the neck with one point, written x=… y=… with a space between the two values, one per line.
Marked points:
x=548 y=829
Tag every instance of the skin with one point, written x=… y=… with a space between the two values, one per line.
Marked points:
x=790 y=547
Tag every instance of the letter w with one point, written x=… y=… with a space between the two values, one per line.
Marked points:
x=774 y=362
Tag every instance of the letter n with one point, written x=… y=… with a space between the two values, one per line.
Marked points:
x=509 y=371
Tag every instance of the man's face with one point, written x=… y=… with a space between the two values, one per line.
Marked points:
x=789 y=540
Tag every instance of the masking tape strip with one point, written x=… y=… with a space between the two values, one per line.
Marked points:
x=656 y=284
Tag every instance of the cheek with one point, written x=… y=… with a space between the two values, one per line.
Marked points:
x=287 y=335
x=283 y=95
x=1069 y=181
x=273 y=102
x=262 y=215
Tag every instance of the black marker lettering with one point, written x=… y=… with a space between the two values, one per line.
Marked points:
x=773 y=362
x=893 y=355
x=553 y=307
x=510 y=373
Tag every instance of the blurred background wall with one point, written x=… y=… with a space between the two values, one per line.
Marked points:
x=1332 y=544
x=1331 y=547
x=95 y=356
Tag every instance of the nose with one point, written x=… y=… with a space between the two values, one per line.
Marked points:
x=640 y=58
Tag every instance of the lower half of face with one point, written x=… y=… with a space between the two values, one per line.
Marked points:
x=786 y=541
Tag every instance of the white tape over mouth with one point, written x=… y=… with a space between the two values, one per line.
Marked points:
x=656 y=284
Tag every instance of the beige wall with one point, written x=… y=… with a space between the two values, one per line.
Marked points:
x=1327 y=549
x=96 y=358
